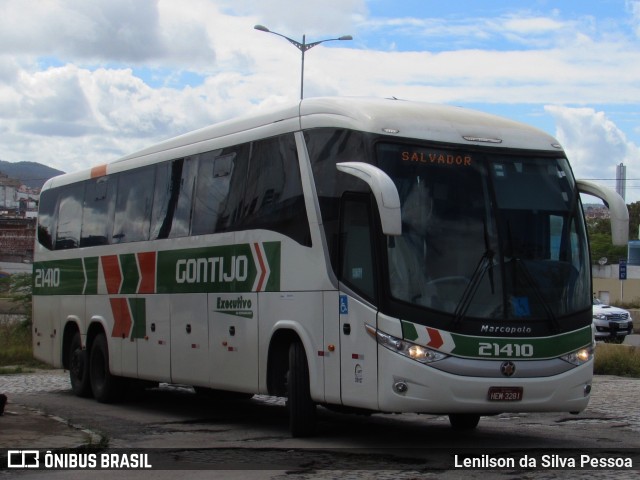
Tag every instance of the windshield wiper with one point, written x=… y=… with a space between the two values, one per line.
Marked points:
x=485 y=264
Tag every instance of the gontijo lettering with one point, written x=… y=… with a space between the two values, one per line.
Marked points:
x=212 y=269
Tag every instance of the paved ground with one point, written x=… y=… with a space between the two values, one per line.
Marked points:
x=614 y=405
x=615 y=398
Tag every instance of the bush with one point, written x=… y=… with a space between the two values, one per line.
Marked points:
x=621 y=360
x=15 y=343
x=15 y=328
x=17 y=289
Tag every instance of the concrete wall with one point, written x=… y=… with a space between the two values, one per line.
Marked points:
x=610 y=290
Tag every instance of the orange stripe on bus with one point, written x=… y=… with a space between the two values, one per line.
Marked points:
x=121 y=317
x=147 y=263
x=112 y=274
x=99 y=171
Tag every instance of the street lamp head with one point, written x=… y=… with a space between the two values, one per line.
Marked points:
x=303 y=47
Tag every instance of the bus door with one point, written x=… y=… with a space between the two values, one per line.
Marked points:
x=358 y=351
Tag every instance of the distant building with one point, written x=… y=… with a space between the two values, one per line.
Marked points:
x=621 y=180
x=592 y=211
x=18 y=212
x=8 y=193
x=17 y=236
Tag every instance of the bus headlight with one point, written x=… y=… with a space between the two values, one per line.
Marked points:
x=579 y=357
x=408 y=349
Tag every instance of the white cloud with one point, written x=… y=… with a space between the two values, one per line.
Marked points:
x=633 y=6
x=94 y=104
x=100 y=31
x=311 y=17
x=595 y=145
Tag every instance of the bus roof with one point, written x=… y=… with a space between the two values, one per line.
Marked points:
x=400 y=118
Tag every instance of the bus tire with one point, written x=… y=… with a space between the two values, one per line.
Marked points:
x=79 y=368
x=464 y=421
x=106 y=387
x=302 y=409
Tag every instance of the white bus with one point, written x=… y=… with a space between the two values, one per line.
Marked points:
x=367 y=255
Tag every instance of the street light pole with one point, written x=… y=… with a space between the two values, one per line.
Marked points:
x=303 y=47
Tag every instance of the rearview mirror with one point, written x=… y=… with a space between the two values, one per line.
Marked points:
x=617 y=209
x=384 y=191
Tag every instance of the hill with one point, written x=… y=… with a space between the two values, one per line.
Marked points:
x=32 y=174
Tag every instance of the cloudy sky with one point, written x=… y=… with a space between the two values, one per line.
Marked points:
x=84 y=82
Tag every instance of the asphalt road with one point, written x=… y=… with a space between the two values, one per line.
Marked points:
x=250 y=438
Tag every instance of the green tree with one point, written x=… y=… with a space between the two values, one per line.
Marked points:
x=599 y=230
x=634 y=220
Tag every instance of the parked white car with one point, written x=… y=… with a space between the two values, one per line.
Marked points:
x=612 y=323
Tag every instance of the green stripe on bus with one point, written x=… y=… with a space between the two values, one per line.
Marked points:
x=521 y=348
x=139 y=316
x=130 y=275
x=91 y=273
x=494 y=348
x=59 y=277
x=229 y=268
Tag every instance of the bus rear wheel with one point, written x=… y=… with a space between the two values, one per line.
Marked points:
x=106 y=387
x=302 y=409
x=464 y=421
x=79 y=368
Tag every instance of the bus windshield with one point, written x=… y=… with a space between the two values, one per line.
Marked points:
x=486 y=236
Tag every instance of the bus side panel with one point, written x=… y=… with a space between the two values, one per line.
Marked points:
x=99 y=309
x=72 y=309
x=331 y=359
x=302 y=313
x=46 y=314
x=154 y=338
x=233 y=341
x=189 y=339
x=358 y=354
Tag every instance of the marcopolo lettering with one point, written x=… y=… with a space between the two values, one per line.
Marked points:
x=212 y=269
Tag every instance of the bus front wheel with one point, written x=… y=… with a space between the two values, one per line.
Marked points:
x=302 y=409
x=106 y=387
x=464 y=421
x=79 y=368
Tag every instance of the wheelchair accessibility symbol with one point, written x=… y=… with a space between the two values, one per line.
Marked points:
x=344 y=305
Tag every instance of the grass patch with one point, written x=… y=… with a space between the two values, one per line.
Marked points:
x=621 y=360
x=16 y=351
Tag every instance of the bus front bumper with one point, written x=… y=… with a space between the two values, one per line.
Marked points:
x=405 y=385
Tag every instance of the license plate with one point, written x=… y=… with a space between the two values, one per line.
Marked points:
x=505 y=394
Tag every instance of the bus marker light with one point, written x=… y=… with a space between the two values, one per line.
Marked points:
x=400 y=387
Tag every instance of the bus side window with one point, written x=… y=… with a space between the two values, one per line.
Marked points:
x=133 y=205
x=356 y=251
x=182 y=216
x=212 y=189
x=69 y=216
x=47 y=217
x=273 y=198
x=165 y=198
x=97 y=213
